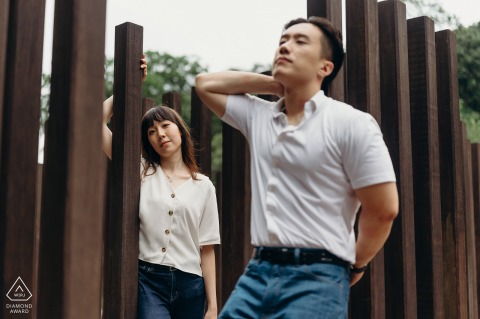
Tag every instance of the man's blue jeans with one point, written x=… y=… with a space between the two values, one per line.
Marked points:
x=268 y=290
x=165 y=292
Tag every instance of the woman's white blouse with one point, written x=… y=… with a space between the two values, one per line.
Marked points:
x=175 y=223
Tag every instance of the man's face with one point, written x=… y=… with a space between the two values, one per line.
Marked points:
x=298 y=58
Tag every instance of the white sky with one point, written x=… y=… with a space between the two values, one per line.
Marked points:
x=222 y=33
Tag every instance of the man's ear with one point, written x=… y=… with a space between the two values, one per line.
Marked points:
x=325 y=69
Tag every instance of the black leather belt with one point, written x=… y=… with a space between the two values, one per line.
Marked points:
x=297 y=256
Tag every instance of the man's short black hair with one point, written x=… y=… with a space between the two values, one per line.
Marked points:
x=332 y=45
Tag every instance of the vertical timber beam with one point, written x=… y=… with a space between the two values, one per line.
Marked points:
x=452 y=183
x=426 y=168
x=173 y=100
x=400 y=275
x=201 y=126
x=363 y=71
x=363 y=81
x=471 y=254
x=21 y=36
x=476 y=209
x=71 y=227
x=4 y=10
x=236 y=194
x=201 y=119
x=332 y=10
x=147 y=104
x=121 y=260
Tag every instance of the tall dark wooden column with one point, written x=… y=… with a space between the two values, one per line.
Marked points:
x=4 y=10
x=74 y=172
x=363 y=81
x=400 y=275
x=471 y=254
x=202 y=133
x=476 y=208
x=426 y=168
x=201 y=126
x=121 y=240
x=173 y=100
x=332 y=10
x=236 y=194
x=451 y=177
x=21 y=46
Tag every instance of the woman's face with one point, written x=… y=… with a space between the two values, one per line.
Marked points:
x=165 y=138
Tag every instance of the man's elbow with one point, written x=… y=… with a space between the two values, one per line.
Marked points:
x=200 y=82
x=390 y=212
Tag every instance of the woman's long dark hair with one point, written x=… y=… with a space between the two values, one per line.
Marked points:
x=152 y=159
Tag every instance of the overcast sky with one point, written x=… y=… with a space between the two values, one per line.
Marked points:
x=222 y=33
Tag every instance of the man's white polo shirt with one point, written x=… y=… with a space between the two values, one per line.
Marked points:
x=303 y=178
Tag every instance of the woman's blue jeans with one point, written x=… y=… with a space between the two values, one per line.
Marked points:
x=268 y=290
x=166 y=292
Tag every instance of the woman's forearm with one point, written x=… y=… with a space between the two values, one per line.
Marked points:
x=207 y=255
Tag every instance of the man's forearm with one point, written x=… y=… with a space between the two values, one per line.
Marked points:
x=235 y=82
x=373 y=231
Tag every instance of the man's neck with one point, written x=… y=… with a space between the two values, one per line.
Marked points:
x=294 y=102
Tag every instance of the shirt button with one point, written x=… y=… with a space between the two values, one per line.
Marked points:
x=170 y=213
x=173 y=195
x=167 y=232
x=164 y=249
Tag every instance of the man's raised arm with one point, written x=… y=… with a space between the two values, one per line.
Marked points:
x=214 y=88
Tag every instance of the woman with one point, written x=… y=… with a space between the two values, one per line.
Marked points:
x=178 y=220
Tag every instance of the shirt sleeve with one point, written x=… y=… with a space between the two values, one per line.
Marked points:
x=365 y=156
x=209 y=230
x=239 y=112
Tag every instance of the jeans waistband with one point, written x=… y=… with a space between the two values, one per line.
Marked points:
x=297 y=256
x=156 y=267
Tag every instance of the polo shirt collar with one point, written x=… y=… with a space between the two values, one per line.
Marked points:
x=309 y=108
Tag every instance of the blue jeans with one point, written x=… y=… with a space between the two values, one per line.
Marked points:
x=268 y=290
x=166 y=292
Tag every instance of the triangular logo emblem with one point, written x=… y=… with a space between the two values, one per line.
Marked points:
x=19 y=291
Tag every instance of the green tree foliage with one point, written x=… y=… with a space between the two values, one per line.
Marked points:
x=468 y=54
x=433 y=10
x=166 y=73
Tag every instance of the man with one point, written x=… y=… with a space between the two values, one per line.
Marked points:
x=314 y=160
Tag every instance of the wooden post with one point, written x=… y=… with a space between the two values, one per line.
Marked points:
x=201 y=126
x=121 y=260
x=4 y=10
x=147 y=104
x=471 y=254
x=426 y=168
x=332 y=10
x=173 y=100
x=451 y=177
x=74 y=171
x=363 y=81
x=236 y=202
x=476 y=208
x=21 y=45
x=363 y=71
x=400 y=275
